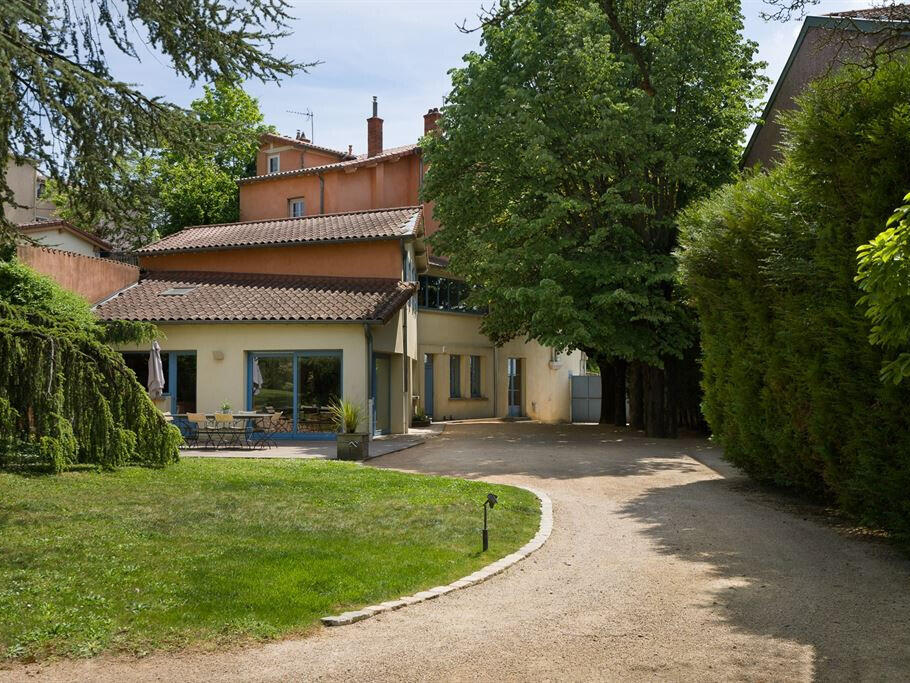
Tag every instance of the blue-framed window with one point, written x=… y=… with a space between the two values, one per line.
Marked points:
x=301 y=385
x=179 y=376
x=444 y=294
x=455 y=376
x=474 y=366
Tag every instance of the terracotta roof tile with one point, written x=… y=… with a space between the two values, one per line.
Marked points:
x=209 y=297
x=360 y=160
x=305 y=144
x=360 y=225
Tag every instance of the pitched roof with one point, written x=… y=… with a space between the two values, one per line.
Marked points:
x=900 y=12
x=59 y=224
x=236 y=297
x=865 y=21
x=356 y=162
x=304 y=144
x=374 y=224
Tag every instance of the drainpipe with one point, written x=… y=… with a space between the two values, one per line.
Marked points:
x=321 y=193
x=406 y=364
x=367 y=335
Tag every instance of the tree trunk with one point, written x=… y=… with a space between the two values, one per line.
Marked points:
x=660 y=404
x=636 y=396
x=619 y=392
x=607 y=393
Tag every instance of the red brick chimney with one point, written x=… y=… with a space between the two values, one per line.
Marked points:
x=374 y=131
x=431 y=120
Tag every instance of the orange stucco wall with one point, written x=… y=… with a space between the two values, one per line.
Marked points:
x=291 y=158
x=381 y=258
x=92 y=278
x=388 y=184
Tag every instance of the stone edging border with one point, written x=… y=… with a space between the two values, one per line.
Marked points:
x=481 y=575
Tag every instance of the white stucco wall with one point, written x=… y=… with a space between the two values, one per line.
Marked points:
x=64 y=240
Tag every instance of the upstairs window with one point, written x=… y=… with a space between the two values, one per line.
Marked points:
x=274 y=163
x=454 y=376
x=444 y=294
x=296 y=208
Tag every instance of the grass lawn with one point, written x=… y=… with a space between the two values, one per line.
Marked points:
x=209 y=552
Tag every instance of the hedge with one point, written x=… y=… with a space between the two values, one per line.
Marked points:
x=792 y=386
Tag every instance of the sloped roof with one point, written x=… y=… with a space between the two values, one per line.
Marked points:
x=304 y=144
x=59 y=224
x=898 y=12
x=356 y=162
x=238 y=297
x=332 y=227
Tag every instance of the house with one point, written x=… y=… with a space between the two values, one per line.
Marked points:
x=824 y=43
x=63 y=235
x=27 y=185
x=325 y=288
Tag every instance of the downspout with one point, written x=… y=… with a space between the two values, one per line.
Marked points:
x=321 y=193
x=368 y=336
x=406 y=364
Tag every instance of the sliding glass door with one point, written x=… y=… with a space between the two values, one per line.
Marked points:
x=301 y=385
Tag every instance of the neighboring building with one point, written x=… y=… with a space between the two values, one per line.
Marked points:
x=63 y=235
x=316 y=291
x=824 y=43
x=28 y=190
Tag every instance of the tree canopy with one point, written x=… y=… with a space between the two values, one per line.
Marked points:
x=568 y=147
x=62 y=108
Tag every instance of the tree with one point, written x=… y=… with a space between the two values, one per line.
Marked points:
x=62 y=108
x=567 y=148
x=884 y=276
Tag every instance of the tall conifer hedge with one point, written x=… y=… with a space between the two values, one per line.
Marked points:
x=66 y=397
x=792 y=386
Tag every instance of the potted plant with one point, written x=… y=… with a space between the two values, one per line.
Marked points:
x=226 y=407
x=350 y=444
x=420 y=419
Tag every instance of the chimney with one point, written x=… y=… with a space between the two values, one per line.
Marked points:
x=374 y=131
x=431 y=120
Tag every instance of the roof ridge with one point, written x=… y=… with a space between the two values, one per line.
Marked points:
x=308 y=143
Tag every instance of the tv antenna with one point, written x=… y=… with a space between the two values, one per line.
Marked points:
x=308 y=114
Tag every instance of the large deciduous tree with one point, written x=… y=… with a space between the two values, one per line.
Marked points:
x=567 y=148
x=62 y=108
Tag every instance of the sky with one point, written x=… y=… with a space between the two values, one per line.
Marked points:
x=401 y=52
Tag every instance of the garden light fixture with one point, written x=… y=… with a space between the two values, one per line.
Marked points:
x=488 y=503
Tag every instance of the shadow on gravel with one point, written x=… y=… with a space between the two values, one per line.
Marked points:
x=790 y=577
x=546 y=452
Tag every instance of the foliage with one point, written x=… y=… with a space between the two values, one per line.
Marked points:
x=225 y=407
x=209 y=552
x=346 y=415
x=177 y=187
x=65 y=396
x=62 y=107
x=791 y=383
x=567 y=148
x=884 y=276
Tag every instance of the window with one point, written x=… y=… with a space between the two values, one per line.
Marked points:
x=475 y=376
x=444 y=294
x=179 y=384
x=274 y=163
x=296 y=207
x=454 y=376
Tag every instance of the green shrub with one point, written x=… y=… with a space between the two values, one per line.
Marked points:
x=791 y=383
x=66 y=397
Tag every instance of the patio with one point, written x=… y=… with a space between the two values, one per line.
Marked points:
x=323 y=449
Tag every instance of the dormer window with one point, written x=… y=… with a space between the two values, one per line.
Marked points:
x=274 y=161
x=295 y=207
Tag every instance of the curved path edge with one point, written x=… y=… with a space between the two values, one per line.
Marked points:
x=481 y=575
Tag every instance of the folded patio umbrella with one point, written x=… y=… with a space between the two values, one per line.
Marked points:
x=257 y=377
x=156 y=372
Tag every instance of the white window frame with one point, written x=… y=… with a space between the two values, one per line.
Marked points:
x=292 y=202
x=268 y=163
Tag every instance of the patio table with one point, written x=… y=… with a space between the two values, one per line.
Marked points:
x=227 y=435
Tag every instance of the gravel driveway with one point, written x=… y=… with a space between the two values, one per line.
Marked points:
x=658 y=568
